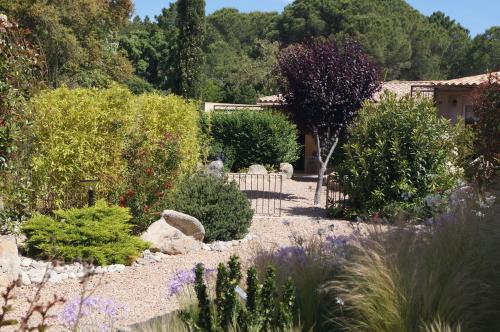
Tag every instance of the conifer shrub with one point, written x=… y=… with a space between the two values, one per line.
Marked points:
x=221 y=207
x=265 y=309
x=100 y=234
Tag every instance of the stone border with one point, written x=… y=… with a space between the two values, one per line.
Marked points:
x=34 y=272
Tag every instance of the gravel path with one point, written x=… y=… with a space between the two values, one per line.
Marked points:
x=143 y=289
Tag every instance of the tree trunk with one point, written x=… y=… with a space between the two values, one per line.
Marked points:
x=324 y=164
x=319 y=185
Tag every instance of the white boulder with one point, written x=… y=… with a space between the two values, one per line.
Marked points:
x=257 y=169
x=168 y=239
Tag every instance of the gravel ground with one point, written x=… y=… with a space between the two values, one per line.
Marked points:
x=143 y=289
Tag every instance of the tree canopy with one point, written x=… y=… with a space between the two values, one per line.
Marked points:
x=94 y=42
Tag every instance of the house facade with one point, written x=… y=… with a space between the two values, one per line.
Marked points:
x=453 y=98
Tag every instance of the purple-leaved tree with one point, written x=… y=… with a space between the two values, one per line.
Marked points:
x=323 y=85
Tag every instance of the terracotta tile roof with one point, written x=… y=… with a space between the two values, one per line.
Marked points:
x=470 y=81
x=400 y=88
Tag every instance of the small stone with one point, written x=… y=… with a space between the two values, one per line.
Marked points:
x=80 y=274
x=249 y=237
x=205 y=246
x=26 y=262
x=55 y=278
x=63 y=276
x=99 y=270
x=36 y=276
x=72 y=275
x=25 y=279
x=40 y=265
x=116 y=268
x=59 y=269
x=220 y=246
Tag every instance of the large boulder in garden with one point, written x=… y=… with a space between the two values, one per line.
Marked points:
x=187 y=224
x=287 y=170
x=257 y=169
x=169 y=240
x=10 y=267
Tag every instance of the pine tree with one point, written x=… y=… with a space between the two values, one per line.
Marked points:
x=191 y=25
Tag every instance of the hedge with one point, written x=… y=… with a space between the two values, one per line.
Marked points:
x=249 y=137
x=89 y=134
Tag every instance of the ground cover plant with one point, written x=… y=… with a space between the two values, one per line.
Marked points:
x=399 y=152
x=100 y=234
x=440 y=277
x=247 y=137
x=221 y=207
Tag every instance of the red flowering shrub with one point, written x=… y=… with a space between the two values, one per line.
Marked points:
x=151 y=170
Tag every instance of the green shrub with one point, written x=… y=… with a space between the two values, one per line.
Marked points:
x=136 y=146
x=255 y=137
x=221 y=207
x=441 y=277
x=99 y=233
x=399 y=151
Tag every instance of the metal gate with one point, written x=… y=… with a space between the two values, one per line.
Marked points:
x=264 y=191
x=335 y=196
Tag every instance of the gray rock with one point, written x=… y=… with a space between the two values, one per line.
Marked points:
x=205 y=246
x=37 y=276
x=41 y=265
x=26 y=262
x=287 y=170
x=116 y=268
x=187 y=224
x=220 y=246
x=215 y=168
x=10 y=264
x=257 y=169
x=25 y=279
x=55 y=278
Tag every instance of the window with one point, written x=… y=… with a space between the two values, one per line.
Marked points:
x=470 y=115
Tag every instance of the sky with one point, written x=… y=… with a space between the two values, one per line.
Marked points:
x=475 y=15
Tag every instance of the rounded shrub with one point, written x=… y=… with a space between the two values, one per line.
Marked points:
x=399 y=151
x=255 y=137
x=221 y=207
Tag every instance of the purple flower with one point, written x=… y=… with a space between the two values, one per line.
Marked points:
x=76 y=310
x=184 y=278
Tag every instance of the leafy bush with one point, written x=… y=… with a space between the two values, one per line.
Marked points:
x=136 y=146
x=446 y=274
x=255 y=137
x=99 y=233
x=221 y=207
x=399 y=152
x=21 y=68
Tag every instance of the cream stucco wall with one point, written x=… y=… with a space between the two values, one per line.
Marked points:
x=451 y=103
